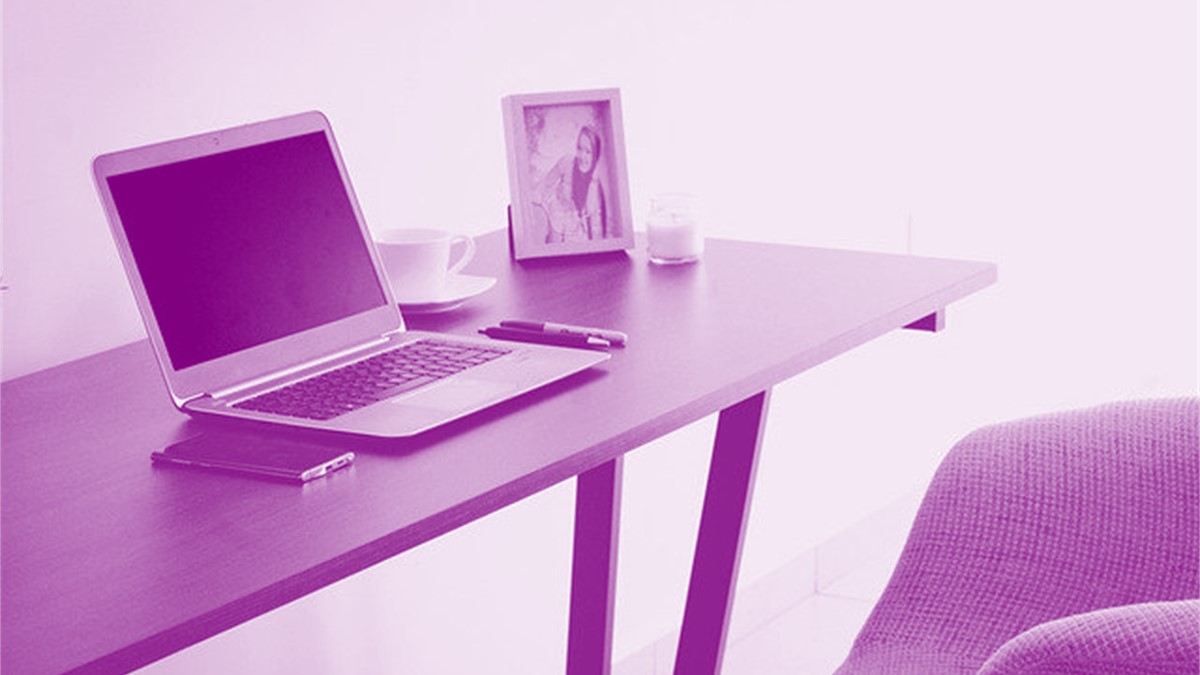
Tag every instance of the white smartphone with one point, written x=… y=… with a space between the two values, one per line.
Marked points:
x=276 y=458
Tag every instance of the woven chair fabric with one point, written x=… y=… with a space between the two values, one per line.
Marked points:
x=1039 y=519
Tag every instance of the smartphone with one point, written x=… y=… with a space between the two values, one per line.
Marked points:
x=275 y=458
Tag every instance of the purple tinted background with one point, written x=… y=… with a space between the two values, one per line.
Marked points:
x=1058 y=139
x=283 y=207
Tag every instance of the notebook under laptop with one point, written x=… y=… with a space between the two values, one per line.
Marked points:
x=253 y=270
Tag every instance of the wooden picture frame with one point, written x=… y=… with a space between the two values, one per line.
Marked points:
x=567 y=197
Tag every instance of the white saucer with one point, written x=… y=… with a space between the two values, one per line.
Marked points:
x=459 y=288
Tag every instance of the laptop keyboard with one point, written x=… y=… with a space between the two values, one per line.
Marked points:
x=362 y=383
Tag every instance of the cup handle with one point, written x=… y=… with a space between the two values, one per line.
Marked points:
x=468 y=253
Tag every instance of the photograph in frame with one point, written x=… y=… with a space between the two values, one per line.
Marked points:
x=567 y=173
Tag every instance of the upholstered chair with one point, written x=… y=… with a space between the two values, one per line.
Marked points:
x=1066 y=543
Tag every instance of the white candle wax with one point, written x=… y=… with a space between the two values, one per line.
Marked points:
x=673 y=235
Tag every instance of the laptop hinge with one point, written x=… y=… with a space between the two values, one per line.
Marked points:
x=285 y=374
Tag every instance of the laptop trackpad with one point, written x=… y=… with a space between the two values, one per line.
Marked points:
x=458 y=393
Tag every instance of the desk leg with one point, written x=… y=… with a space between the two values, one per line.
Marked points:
x=719 y=543
x=594 y=569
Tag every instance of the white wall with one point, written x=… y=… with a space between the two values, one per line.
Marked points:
x=1055 y=138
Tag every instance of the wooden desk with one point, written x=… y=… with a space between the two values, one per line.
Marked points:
x=110 y=563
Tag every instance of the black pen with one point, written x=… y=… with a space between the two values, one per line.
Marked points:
x=582 y=341
x=614 y=337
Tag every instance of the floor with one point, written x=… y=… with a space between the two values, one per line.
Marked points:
x=814 y=635
x=804 y=617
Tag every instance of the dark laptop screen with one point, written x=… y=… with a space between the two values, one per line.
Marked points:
x=243 y=247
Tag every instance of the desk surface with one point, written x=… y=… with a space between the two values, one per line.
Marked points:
x=111 y=563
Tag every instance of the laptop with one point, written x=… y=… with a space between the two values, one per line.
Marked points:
x=265 y=299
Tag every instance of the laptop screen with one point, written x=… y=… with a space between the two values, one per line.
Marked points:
x=247 y=246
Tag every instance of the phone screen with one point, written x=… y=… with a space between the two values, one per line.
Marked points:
x=278 y=458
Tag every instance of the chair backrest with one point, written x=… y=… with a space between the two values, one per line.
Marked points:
x=1037 y=519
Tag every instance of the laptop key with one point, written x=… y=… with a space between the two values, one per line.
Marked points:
x=408 y=385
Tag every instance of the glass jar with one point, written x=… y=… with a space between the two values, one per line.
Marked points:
x=672 y=231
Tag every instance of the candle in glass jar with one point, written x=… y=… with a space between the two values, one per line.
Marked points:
x=671 y=230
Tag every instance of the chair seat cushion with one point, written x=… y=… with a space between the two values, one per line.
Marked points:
x=1160 y=638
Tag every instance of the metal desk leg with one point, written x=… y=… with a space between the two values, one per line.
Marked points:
x=594 y=569
x=719 y=543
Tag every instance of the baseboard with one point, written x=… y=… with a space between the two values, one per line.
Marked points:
x=809 y=573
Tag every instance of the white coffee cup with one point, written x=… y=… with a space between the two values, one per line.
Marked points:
x=417 y=261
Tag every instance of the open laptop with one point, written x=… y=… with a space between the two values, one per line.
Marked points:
x=264 y=297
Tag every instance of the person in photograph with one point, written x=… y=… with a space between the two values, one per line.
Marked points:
x=572 y=193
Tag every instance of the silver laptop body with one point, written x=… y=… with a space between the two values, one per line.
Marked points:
x=253 y=269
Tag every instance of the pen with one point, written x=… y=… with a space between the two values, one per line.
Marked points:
x=615 y=337
x=560 y=339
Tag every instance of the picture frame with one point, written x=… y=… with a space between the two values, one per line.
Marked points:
x=567 y=197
